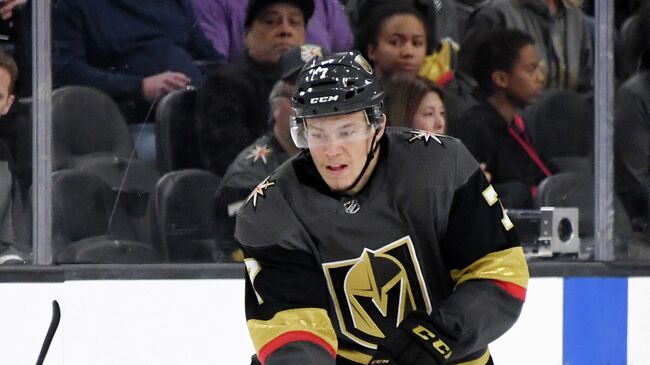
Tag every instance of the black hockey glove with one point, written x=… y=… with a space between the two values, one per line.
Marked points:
x=415 y=342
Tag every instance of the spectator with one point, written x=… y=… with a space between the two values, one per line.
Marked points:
x=506 y=66
x=261 y=158
x=394 y=39
x=632 y=137
x=558 y=28
x=464 y=9
x=16 y=29
x=415 y=102
x=232 y=108
x=440 y=16
x=223 y=23
x=630 y=55
x=135 y=51
x=8 y=76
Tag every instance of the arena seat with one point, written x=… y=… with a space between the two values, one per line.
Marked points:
x=183 y=219
x=176 y=142
x=84 y=207
x=132 y=182
x=86 y=121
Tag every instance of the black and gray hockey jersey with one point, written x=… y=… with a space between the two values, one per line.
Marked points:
x=250 y=167
x=331 y=277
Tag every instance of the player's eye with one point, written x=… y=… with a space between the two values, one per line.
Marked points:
x=317 y=136
x=347 y=133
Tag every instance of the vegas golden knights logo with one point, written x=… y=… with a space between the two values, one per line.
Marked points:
x=375 y=291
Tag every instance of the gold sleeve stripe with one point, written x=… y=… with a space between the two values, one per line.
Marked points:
x=311 y=322
x=355 y=356
x=480 y=361
x=507 y=265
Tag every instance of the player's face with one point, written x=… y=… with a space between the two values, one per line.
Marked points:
x=339 y=146
x=430 y=115
x=526 y=79
x=401 y=45
x=6 y=99
x=277 y=28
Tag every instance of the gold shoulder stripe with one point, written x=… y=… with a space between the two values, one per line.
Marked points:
x=507 y=265
x=356 y=356
x=312 y=320
x=480 y=361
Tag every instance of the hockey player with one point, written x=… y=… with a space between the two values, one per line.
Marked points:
x=375 y=245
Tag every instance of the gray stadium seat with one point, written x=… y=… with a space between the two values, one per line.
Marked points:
x=176 y=142
x=132 y=182
x=86 y=121
x=183 y=223
x=83 y=209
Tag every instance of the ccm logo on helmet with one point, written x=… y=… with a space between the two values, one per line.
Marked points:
x=323 y=99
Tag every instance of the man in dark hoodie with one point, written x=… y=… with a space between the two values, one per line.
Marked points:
x=232 y=109
x=135 y=51
x=558 y=28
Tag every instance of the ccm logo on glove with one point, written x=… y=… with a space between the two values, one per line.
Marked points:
x=436 y=342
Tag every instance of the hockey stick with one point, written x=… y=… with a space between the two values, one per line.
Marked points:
x=54 y=324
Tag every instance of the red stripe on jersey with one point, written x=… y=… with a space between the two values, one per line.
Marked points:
x=514 y=290
x=293 y=336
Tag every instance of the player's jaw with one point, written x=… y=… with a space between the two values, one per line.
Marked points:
x=336 y=174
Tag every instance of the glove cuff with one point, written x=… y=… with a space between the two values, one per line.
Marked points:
x=419 y=327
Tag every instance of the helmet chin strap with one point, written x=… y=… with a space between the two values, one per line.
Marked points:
x=369 y=157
